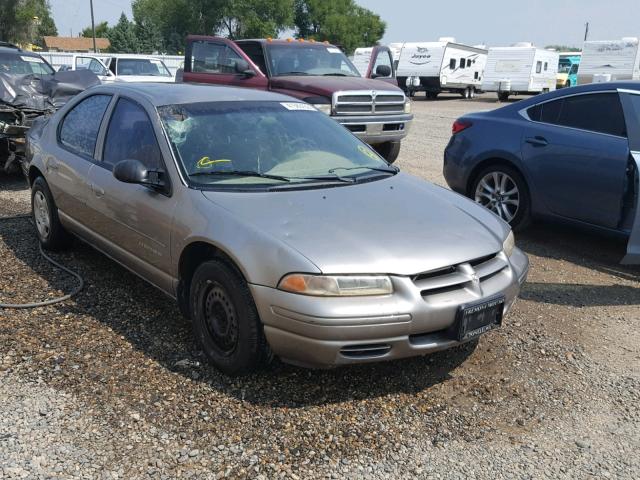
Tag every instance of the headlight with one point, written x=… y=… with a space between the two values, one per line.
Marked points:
x=336 y=285
x=509 y=244
x=323 y=107
x=407 y=106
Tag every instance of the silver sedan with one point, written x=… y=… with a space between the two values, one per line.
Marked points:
x=275 y=229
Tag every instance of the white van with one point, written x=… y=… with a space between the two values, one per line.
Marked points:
x=608 y=60
x=445 y=65
x=520 y=69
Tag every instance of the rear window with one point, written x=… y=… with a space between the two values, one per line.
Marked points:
x=596 y=112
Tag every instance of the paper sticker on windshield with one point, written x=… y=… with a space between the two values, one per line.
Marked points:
x=32 y=59
x=333 y=50
x=155 y=62
x=368 y=152
x=298 y=106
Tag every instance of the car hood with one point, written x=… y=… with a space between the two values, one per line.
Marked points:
x=326 y=86
x=399 y=225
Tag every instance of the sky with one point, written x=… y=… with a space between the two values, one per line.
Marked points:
x=489 y=22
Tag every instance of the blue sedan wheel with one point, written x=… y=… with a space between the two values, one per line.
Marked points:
x=502 y=190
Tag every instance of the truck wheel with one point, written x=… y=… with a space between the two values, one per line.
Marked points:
x=225 y=319
x=503 y=96
x=388 y=150
x=50 y=232
x=465 y=94
x=472 y=93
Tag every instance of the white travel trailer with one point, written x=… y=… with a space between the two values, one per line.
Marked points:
x=610 y=60
x=520 y=69
x=442 y=66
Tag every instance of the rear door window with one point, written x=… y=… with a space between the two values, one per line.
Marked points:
x=79 y=129
x=130 y=136
x=596 y=112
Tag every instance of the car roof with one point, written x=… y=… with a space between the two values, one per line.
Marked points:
x=563 y=92
x=17 y=51
x=291 y=42
x=159 y=94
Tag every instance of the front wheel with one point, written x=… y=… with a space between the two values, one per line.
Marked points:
x=503 y=190
x=225 y=319
x=388 y=150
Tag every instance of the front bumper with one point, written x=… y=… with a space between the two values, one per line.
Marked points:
x=323 y=332
x=374 y=129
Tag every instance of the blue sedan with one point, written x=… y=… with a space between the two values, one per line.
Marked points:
x=572 y=155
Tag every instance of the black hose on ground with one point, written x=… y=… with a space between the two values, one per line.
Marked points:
x=53 y=301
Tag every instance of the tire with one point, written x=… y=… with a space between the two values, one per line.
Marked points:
x=472 y=93
x=512 y=204
x=388 y=150
x=466 y=93
x=503 y=96
x=432 y=95
x=50 y=232
x=225 y=319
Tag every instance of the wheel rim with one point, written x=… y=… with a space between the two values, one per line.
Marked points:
x=41 y=215
x=498 y=192
x=220 y=319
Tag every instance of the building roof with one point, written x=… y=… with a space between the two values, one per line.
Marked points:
x=76 y=43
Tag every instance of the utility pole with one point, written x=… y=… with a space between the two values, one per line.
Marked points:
x=586 y=31
x=93 y=28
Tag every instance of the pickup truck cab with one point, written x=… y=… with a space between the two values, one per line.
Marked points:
x=318 y=73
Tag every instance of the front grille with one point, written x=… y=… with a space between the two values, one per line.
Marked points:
x=472 y=274
x=368 y=102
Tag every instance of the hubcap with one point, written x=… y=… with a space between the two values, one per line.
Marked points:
x=220 y=319
x=41 y=215
x=499 y=193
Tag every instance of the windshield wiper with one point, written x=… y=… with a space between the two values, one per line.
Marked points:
x=241 y=173
x=292 y=73
x=337 y=75
x=391 y=169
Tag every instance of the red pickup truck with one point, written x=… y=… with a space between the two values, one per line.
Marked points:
x=319 y=73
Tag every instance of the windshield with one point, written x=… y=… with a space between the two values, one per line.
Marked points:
x=142 y=66
x=16 y=64
x=564 y=67
x=264 y=144
x=309 y=60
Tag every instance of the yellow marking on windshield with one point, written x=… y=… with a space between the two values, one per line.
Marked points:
x=205 y=162
x=368 y=152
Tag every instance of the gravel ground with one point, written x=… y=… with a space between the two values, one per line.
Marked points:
x=111 y=384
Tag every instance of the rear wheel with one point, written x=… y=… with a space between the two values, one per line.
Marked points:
x=50 y=232
x=388 y=150
x=225 y=319
x=503 y=190
x=472 y=93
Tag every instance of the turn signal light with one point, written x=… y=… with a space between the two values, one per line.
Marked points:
x=460 y=125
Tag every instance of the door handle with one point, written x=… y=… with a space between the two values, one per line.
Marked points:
x=97 y=191
x=537 y=141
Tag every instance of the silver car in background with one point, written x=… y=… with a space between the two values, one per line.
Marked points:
x=275 y=229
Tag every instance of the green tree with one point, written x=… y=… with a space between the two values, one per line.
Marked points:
x=123 y=36
x=341 y=22
x=563 y=48
x=26 y=21
x=102 y=31
x=256 y=18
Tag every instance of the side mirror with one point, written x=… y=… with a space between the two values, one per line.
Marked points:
x=242 y=68
x=383 y=71
x=134 y=171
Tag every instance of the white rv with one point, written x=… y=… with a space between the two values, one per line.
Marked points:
x=442 y=66
x=520 y=69
x=610 y=60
